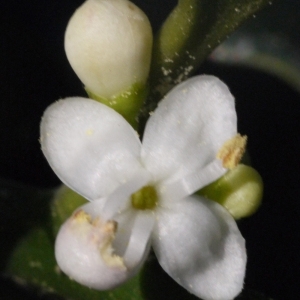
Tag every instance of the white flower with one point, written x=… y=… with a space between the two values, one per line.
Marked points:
x=141 y=193
x=108 y=44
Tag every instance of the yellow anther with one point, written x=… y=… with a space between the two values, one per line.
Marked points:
x=232 y=151
x=82 y=216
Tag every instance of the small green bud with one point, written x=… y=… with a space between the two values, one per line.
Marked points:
x=240 y=191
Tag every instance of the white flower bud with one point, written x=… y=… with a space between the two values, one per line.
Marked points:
x=108 y=44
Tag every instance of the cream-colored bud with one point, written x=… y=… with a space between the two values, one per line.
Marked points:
x=108 y=44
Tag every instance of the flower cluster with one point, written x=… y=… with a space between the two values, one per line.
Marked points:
x=141 y=194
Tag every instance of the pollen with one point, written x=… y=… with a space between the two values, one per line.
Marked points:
x=82 y=216
x=89 y=132
x=101 y=234
x=232 y=151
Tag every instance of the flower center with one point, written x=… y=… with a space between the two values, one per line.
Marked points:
x=145 y=198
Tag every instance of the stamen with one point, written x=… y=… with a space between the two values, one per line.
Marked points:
x=232 y=151
x=195 y=181
x=139 y=238
x=107 y=252
x=99 y=233
x=81 y=216
x=228 y=157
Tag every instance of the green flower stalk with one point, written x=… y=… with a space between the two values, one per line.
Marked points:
x=190 y=33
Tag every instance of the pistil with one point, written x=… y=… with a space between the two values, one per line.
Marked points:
x=145 y=198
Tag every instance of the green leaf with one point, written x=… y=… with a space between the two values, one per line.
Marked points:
x=22 y=208
x=33 y=262
x=27 y=242
x=190 y=33
x=64 y=202
x=270 y=44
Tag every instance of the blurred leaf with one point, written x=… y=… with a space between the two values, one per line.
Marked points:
x=64 y=202
x=269 y=44
x=33 y=262
x=190 y=33
x=21 y=209
x=27 y=243
x=15 y=290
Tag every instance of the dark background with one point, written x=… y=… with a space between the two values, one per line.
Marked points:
x=35 y=72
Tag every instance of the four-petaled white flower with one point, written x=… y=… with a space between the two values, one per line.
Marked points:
x=140 y=193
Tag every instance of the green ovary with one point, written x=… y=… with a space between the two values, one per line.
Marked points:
x=145 y=198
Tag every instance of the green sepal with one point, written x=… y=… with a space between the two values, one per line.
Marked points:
x=27 y=243
x=65 y=201
x=240 y=191
x=128 y=103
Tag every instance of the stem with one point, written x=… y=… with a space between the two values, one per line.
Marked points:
x=190 y=33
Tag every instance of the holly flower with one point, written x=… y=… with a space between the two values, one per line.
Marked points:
x=141 y=194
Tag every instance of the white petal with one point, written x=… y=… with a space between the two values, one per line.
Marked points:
x=90 y=147
x=191 y=183
x=134 y=227
x=139 y=238
x=132 y=241
x=188 y=127
x=100 y=253
x=83 y=251
x=119 y=199
x=199 y=245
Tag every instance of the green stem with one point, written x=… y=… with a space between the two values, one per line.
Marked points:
x=190 y=33
x=128 y=104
